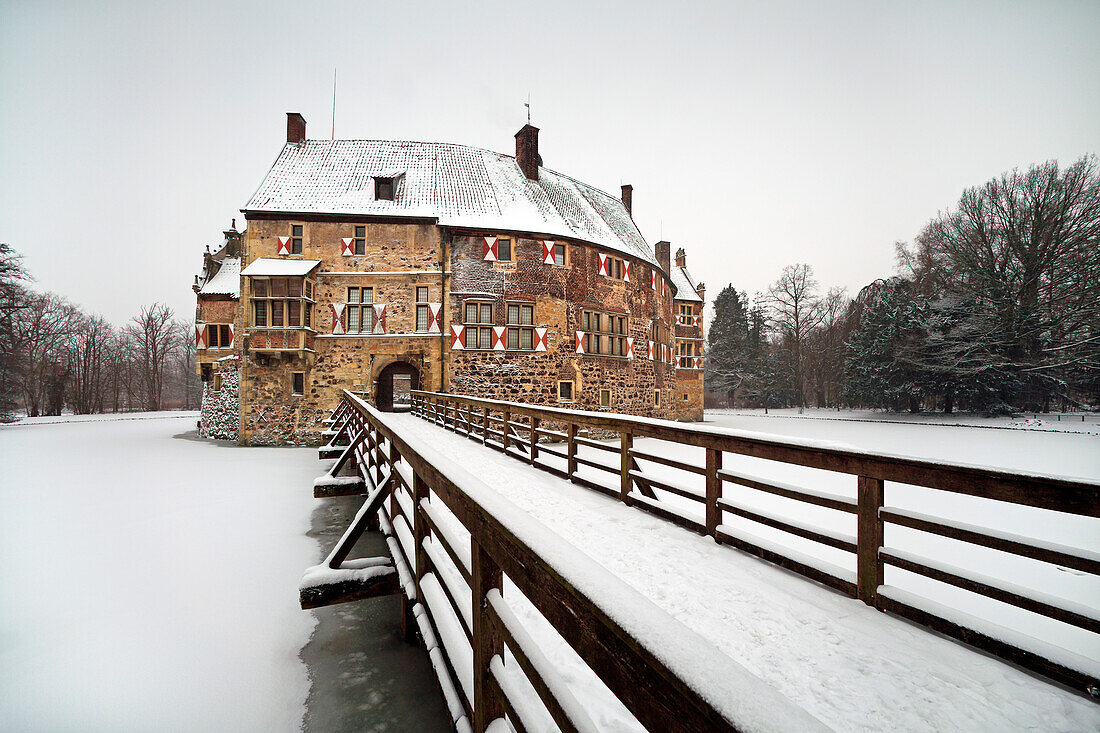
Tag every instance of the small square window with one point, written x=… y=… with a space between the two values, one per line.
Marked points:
x=605 y=398
x=486 y=313
x=421 y=293
x=216 y=385
x=298 y=383
x=685 y=397
x=383 y=189
x=504 y=250
x=565 y=391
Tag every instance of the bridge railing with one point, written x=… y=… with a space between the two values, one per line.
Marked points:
x=459 y=549
x=665 y=485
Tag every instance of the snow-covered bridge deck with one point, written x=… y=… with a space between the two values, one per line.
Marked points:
x=834 y=657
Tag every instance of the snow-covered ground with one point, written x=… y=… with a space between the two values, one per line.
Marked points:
x=846 y=664
x=149 y=581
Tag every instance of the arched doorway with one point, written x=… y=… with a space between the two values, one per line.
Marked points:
x=396 y=381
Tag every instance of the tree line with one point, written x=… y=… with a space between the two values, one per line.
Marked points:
x=994 y=307
x=54 y=356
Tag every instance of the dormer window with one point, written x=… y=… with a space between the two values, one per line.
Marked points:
x=383 y=189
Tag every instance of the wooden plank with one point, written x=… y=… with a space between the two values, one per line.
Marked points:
x=841 y=542
x=626 y=481
x=869 y=570
x=486 y=642
x=991 y=538
x=714 y=490
x=1003 y=594
x=345 y=591
x=571 y=450
x=831 y=501
x=808 y=571
x=671 y=462
x=338 y=486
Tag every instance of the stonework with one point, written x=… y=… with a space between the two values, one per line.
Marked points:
x=220 y=417
x=290 y=377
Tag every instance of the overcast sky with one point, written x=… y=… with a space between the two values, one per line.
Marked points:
x=756 y=135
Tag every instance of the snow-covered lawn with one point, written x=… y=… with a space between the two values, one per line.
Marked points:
x=149 y=582
x=843 y=662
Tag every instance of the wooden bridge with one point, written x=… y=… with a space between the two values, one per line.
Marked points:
x=454 y=543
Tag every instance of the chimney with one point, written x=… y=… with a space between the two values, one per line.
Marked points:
x=628 y=198
x=681 y=258
x=662 y=250
x=295 y=127
x=701 y=291
x=527 y=151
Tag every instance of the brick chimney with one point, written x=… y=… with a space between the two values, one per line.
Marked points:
x=527 y=151
x=295 y=127
x=628 y=198
x=681 y=258
x=662 y=249
x=701 y=291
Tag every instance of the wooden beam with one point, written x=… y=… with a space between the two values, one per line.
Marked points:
x=345 y=591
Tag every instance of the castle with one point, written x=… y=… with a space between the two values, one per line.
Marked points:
x=385 y=266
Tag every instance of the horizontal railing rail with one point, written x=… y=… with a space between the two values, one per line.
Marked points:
x=454 y=542
x=628 y=473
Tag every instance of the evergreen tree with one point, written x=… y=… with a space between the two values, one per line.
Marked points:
x=727 y=363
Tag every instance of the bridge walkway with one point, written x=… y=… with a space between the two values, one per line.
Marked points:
x=847 y=664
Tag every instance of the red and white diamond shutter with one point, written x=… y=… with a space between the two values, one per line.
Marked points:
x=653 y=278
x=696 y=363
x=338 y=318
x=379 y=317
x=284 y=245
x=435 y=317
x=580 y=342
x=458 y=338
x=489 y=251
x=695 y=321
x=651 y=351
x=347 y=246
x=547 y=253
x=629 y=347
x=200 y=335
x=540 y=339
x=603 y=263
x=230 y=344
x=498 y=338
x=626 y=270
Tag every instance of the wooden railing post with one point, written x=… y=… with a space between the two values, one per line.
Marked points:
x=487 y=643
x=420 y=557
x=484 y=423
x=714 y=490
x=504 y=429
x=626 y=483
x=571 y=438
x=869 y=568
x=534 y=439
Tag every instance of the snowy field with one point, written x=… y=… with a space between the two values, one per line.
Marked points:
x=150 y=580
x=848 y=665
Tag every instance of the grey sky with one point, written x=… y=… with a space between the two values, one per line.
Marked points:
x=755 y=134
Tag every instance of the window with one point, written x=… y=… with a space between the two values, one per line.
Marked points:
x=559 y=255
x=216 y=385
x=521 y=319
x=656 y=398
x=298 y=383
x=687 y=312
x=277 y=313
x=383 y=189
x=685 y=396
x=423 y=311
x=359 y=310
x=259 y=312
x=359 y=241
x=278 y=302
x=605 y=398
x=478 y=319
x=296 y=239
x=565 y=391
x=217 y=336
x=685 y=352
x=294 y=314
x=604 y=333
x=504 y=250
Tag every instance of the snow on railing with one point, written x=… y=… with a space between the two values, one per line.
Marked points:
x=472 y=565
x=690 y=492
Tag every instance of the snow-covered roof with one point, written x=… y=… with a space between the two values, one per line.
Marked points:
x=227 y=281
x=456 y=185
x=268 y=266
x=685 y=285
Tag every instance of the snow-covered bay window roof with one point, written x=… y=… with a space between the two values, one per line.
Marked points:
x=455 y=185
x=271 y=267
x=227 y=281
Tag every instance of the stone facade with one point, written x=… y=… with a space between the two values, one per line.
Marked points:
x=221 y=401
x=290 y=377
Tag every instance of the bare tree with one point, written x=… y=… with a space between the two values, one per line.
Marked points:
x=795 y=313
x=42 y=329
x=87 y=359
x=153 y=337
x=13 y=296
